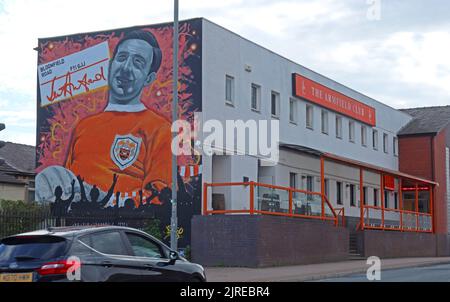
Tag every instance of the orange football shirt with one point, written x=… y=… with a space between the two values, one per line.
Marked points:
x=95 y=144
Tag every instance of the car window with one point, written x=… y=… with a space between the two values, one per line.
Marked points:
x=32 y=248
x=143 y=247
x=108 y=243
x=78 y=248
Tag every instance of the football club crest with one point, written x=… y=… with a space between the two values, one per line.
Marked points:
x=125 y=150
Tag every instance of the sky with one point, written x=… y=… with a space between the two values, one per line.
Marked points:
x=395 y=51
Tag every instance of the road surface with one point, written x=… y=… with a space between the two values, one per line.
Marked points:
x=438 y=273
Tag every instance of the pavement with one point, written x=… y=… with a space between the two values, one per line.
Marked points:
x=311 y=272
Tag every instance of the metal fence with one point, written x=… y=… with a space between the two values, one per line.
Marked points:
x=16 y=222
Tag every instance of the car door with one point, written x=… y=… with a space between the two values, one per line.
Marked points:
x=156 y=267
x=111 y=260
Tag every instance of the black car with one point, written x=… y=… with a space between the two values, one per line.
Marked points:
x=93 y=254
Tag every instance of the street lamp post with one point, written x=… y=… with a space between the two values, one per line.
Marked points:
x=174 y=219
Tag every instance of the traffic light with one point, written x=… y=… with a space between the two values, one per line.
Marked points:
x=2 y=143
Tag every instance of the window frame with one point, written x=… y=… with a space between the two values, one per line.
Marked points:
x=309 y=117
x=386 y=143
x=324 y=121
x=277 y=104
x=351 y=131
x=352 y=187
x=339 y=193
x=90 y=244
x=339 y=127
x=258 y=97
x=375 y=197
x=162 y=251
x=232 y=90
x=363 y=135
x=293 y=111
x=395 y=146
x=375 y=137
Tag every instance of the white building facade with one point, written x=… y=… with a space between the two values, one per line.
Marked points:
x=244 y=81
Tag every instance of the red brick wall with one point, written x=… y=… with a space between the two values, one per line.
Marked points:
x=424 y=156
x=440 y=206
x=415 y=156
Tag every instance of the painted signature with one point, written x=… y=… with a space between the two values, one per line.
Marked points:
x=69 y=88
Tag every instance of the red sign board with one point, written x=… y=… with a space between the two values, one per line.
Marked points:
x=389 y=182
x=333 y=100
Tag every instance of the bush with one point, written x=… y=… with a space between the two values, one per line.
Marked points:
x=19 y=216
x=22 y=206
x=153 y=227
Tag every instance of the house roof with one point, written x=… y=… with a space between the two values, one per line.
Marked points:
x=8 y=174
x=18 y=157
x=426 y=120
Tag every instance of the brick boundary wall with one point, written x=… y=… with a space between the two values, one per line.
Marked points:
x=263 y=241
x=389 y=244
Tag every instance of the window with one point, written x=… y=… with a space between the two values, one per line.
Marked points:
x=339 y=192
x=293 y=180
x=395 y=146
x=108 y=243
x=375 y=197
x=396 y=200
x=229 y=90
x=143 y=247
x=275 y=104
x=364 y=136
x=31 y=191
x=385 y=143
x=327 y=187
x=293 y=111
x=365 y=190
x=256 y=97
x=310 y=186
x=338 y=126
x=375 y=139
x=352 y=195
x=309 y=117
x=386 y=199
x=324 y=121
x=351 y=131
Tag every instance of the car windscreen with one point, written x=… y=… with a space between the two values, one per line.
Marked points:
x=30 y=248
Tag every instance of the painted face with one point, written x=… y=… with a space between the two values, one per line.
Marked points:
x=129 y=71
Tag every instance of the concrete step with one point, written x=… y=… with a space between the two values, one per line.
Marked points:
x=352 y=256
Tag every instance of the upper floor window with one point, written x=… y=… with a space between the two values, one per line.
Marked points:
x=229 y=90
x=324 y=121
x=338 y=126
x=256 y=97
x=351 y=131
x=395 y=146
x=375 y=139
x=385 y=143
x=293 y=111
x=364 y=136
x=275 y=104
x=309 y=116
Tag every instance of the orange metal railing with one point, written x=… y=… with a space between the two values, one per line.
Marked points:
x=265 y=199
x=380 y=218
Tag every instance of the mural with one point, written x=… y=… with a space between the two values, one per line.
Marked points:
x=104 y=122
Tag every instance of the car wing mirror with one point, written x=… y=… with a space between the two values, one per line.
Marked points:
x=173 y=257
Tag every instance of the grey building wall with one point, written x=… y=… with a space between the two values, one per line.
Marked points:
x=226 y=53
